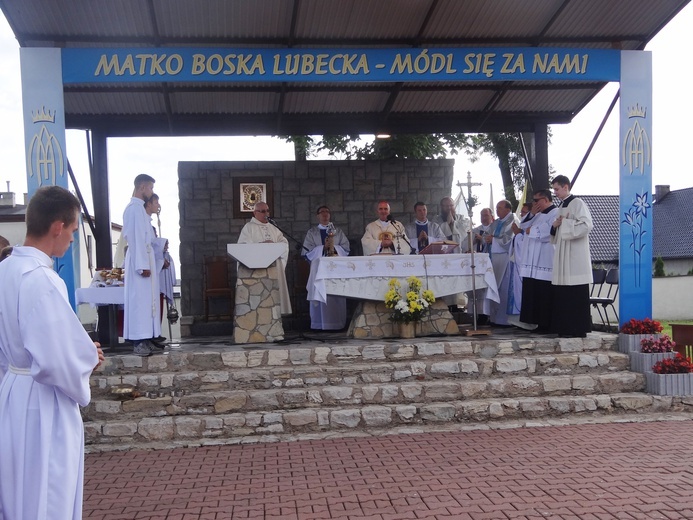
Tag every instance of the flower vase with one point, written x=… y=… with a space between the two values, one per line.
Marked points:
x=628 y=343
x=643 y=362
x=407 y=330
x=669 y=384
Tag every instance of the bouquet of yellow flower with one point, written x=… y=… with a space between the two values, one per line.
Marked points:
x=413 y=305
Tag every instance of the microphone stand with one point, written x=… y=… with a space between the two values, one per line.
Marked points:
x=401 y=234
x=298 y=243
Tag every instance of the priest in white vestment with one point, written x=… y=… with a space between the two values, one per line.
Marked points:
x=330 y=315
x=516 y=252
x=536 y=263
x=160 y=245
x=499 y=239
x=260 y=230
x=385 y=235
x=142 y=314
x=46 y=358
x=572 y=264
x=422 y=231
x=480 y=246
x=453 y=226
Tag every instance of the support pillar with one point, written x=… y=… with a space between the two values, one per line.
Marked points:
x=541 y=151
x=102 y=218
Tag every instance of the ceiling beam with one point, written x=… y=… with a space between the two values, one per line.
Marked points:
x=61 y=40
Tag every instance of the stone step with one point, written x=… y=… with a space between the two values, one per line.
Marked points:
x=268 y=376
x=221 y=402
x=286 y=424
x=223 y=357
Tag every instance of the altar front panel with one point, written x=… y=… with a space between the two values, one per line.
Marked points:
x=367 y=277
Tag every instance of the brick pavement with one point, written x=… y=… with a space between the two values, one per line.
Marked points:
x=588 y=472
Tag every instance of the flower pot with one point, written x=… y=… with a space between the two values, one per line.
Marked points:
x=628 y=343
x=407 y=330
x=669 y=384
x=642 y=362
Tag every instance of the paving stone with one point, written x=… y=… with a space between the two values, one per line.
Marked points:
x=406 y=413
x=445 y=367
x=301 y=418
x=189 y=427
x=120 y=429
x=160 y=429
x=438 y=412
x=509 y=365
x=376 y=415
x=348 y=418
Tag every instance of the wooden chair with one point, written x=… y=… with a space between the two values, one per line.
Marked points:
x=217 y=282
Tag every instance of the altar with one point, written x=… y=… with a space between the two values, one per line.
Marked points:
x=113 y=296
x=367 y=277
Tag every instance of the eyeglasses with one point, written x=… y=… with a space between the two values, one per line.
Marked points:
x=261 y=211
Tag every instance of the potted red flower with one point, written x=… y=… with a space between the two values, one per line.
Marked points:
x=634 y=331
x=672 y=376
x=652 y=350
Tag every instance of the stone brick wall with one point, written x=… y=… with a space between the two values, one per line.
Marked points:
x=350 y=188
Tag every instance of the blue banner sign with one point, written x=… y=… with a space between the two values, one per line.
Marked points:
x=343 y=65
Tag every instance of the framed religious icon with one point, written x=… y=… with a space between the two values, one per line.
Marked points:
x=249 y=191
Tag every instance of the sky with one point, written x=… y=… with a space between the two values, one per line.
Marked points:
x=671 y=49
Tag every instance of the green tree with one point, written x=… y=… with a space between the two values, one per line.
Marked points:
x=659 y=267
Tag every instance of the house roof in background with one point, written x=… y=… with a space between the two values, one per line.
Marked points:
x=673 y=225
x=17 y=213
x=291 y=108
x=604 y=237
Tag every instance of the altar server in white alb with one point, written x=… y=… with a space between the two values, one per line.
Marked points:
x=326 y=240
x=46 y=358
x=422 y=231
x=385 y=235
x=499 y=238
x=141 y=323
x=572 y=264
x=260 y=230
x=536 y=264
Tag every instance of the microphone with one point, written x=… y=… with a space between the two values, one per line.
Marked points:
x=271 y=221
x=390 y=219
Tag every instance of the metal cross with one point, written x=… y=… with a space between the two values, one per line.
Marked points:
x=468 y=185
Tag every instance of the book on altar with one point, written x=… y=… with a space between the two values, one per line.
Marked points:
x=440 y=248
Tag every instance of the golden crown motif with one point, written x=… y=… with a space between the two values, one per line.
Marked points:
x=43 y=115
x=637 y=111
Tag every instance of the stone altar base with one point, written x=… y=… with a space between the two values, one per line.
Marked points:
x=371 y=320
x=257 y=317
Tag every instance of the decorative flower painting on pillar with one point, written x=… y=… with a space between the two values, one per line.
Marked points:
x=634 y=218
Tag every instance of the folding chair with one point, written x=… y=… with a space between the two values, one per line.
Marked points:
x=609 y=298
x=598 y=279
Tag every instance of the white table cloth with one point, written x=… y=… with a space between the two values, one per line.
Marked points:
x=367 y=277
x=112 y=295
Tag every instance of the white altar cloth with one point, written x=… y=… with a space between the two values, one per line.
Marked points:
x=367 y=277
x=114 y=295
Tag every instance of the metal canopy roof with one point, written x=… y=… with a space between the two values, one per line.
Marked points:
x=329 y=108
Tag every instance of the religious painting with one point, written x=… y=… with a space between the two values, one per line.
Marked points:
x=248 y=192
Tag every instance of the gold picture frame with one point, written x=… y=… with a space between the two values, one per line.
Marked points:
x=248 y=192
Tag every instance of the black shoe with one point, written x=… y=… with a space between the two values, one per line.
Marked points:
x=160 y=344
x=159 y=338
